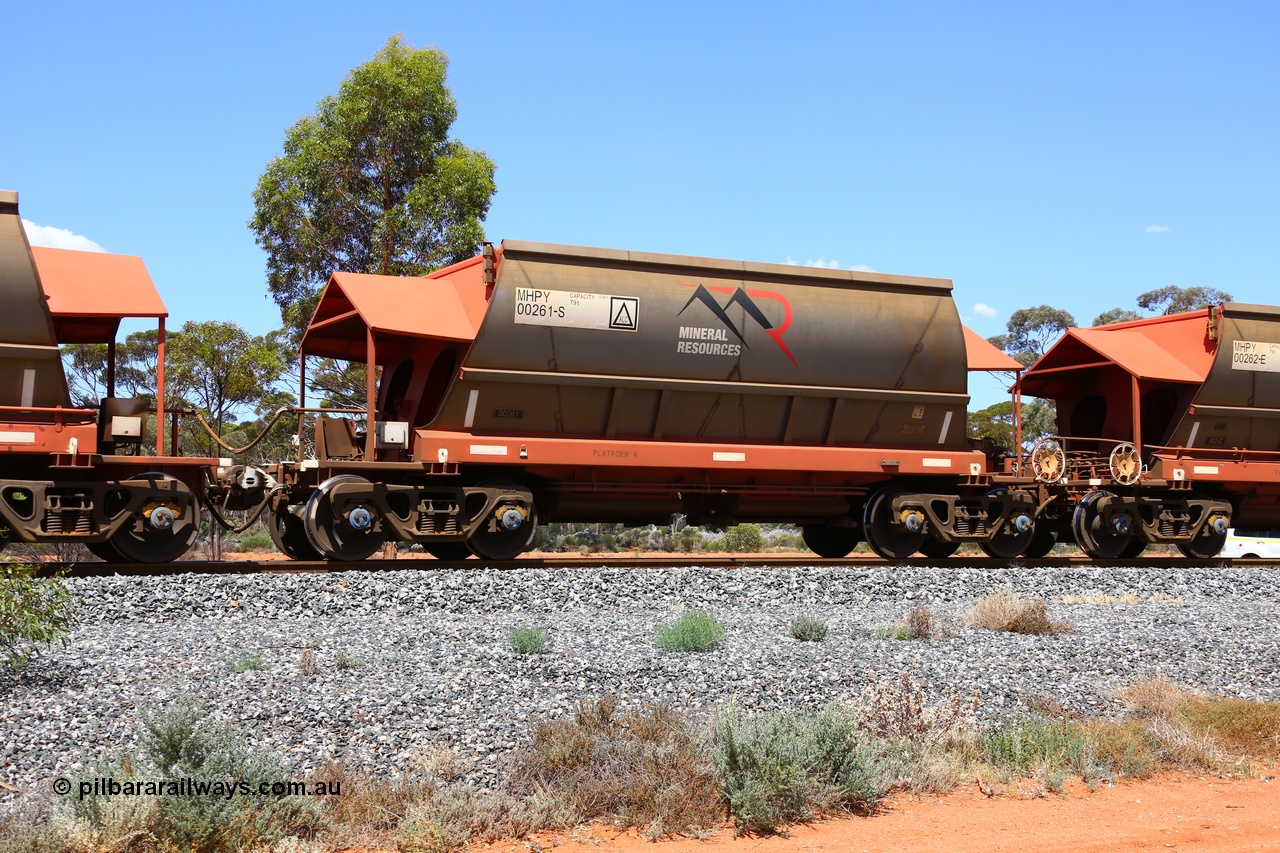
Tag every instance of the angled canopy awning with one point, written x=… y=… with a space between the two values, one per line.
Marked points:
x=982 y=355
x=393 y=308
x=1175 y=348
x=90 y=292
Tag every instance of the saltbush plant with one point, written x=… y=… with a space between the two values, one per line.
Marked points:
x=695 y=631
x=809 y=629
x=528 y=640
x=782 y=768
x=33 y=612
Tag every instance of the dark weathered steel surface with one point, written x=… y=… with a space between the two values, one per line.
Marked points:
x=595 y=342
x=30 y=367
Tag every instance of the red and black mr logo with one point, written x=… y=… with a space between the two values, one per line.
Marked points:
x=746 y=299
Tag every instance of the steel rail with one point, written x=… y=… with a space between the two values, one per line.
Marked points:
x=573 y=561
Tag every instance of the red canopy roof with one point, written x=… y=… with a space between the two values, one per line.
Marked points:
x=89 y=292
x=982 y=355
x=1174 y=348
x=450 y=307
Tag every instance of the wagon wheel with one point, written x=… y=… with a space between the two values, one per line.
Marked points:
x=344 y=532
x=508 y=531
x=936 y=549
x=1209 y=542
x=163 y=529
x=1126 y=464
x=290 y=534
x=1095 y=537
x=105 y=551
x=1134 y=549
x=4 y=538
x=1009 y=542
x=449 y=550
x=1041 y=543
x=828 y=541
x=1048 y=461
x=890 y=542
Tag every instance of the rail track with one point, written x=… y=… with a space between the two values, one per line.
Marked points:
x=574 y=561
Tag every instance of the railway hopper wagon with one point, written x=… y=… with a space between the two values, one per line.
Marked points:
x=540 y=382
x=1169 y=432
x=88 y=475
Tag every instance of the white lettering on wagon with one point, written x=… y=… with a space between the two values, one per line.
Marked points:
x=1255 y=355
x=17 y=438
x=574 y=310
x=706 y=340
x=488 y=450
x=931 y=462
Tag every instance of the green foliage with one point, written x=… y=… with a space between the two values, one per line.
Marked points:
x=245 y=661
x=1174 y=300
x=257 y=542
x=371 y=182
x=86 y=368
x=220 y=370
x=809 y=629
x=1116 y=315
x=178 y=746
x=695 y=631
x=342 y=659
x=527 y=640
x=1024 y=745
x=996 y=423
x=1031 y=331
x=33 y=611
x=743 y=539
x=782 y=768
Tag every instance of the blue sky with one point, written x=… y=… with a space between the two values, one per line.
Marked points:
x=1075 y=154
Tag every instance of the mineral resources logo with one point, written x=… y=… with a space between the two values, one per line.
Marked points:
x=710 y=340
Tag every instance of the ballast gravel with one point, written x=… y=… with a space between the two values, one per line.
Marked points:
x=381 y=669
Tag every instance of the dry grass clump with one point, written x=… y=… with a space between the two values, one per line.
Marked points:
x=639 y=768
x=1204 y=732
x=1005 y=610
x=920 y=623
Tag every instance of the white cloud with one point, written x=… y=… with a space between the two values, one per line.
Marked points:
x=58 y=238
x=1156 y=229
x=823 y=263
x=984 y=310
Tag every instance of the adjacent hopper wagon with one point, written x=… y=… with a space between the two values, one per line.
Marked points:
x=1169 y=431
x=546 y=382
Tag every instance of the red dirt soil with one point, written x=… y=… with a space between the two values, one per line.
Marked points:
x=1177 y=813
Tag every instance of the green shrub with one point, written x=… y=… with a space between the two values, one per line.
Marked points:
x=343 y=659
x=244 y=661
x=695 y=631
x=782 y=768
x=1024 y=745
x=527 y=640
x=32 y=612
x=809 y=629
x=257 y=542
x=743 y=539
x=178 y=746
